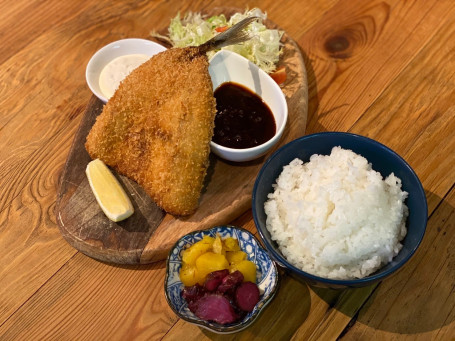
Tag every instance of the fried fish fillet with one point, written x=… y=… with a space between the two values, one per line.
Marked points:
x=157 y=127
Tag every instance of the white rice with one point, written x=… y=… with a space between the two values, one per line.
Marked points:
x=335 y=217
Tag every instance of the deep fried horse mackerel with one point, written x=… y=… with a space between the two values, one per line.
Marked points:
x=157 y=127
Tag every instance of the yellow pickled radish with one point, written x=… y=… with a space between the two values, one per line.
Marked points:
x=234 y=257
x=209 y=262
x=190 y=255
x=231 y=244
x=189 y=275
x=247 y=268
x=108 y=192
x=217 y=246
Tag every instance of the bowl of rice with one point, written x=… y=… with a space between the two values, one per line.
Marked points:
x=339 y=210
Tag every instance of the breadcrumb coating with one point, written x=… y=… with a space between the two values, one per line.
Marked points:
x=157 y=127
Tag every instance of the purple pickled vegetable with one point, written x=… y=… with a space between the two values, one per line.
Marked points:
x=224 y=298
x=246 y=296
x=193 y=292
x=230 y=283
x=214 y=307
x=240 y=313
x=214 y=279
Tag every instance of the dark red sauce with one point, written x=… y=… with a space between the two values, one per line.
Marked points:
x=242 y=120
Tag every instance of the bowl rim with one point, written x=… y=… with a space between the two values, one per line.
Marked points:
x=213 y=326
x=338 y=282
x=279 y=131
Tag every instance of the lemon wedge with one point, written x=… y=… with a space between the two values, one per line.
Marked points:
x=110 y=195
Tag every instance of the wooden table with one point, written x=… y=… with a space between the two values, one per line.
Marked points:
x=384 y=69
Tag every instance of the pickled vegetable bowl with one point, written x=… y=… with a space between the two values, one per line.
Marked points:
x=266 y=276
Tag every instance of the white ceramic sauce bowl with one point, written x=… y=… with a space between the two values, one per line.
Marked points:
x=226 y=66
x=111 y=51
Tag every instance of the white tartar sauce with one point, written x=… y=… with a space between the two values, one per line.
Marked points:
x=117 y=69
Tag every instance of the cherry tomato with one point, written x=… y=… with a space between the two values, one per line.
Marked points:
x=279 y=76
x=221 y=29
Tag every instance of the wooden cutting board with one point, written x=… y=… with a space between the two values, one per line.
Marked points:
x=149 y=233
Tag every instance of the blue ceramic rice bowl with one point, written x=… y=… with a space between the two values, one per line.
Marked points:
x=383 y=160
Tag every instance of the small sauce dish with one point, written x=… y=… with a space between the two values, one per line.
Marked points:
x=108 y=53
x=226 y=66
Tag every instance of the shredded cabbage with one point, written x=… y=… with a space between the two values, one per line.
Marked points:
x=263 y=49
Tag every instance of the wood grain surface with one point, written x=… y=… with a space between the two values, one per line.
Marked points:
x=149 y=233
x=383 y=69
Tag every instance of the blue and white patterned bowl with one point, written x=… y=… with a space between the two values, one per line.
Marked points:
x=267 y=276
